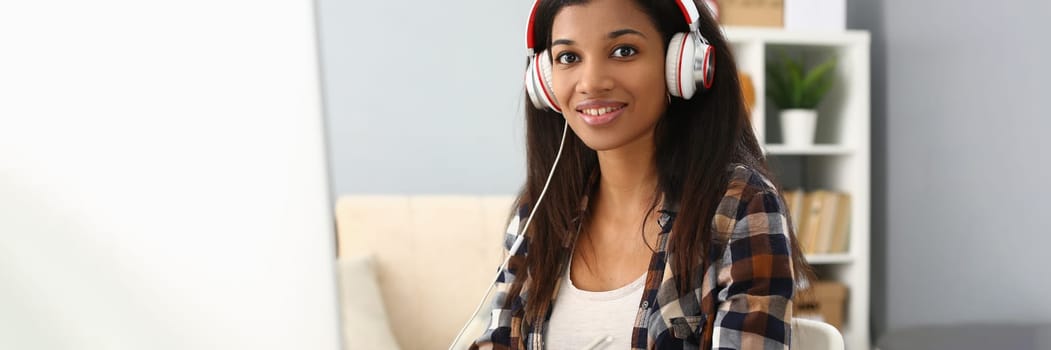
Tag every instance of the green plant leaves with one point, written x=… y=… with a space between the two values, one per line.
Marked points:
x=776 y=85
x=795 y=79
x=792 y=86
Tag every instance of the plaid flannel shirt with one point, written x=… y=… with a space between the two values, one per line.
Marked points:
x=745 y=297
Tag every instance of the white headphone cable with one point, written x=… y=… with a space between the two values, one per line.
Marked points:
x=518 y=239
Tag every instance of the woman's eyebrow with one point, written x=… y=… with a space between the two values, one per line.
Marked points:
x=612 y=35
x=616 y=33
x=562 y=42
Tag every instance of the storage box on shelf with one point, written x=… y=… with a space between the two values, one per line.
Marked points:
x=839 y=161
x=760 y=13
x=825 y=303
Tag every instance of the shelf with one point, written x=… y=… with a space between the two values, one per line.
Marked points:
x=829 y=259
x=839 y=159
x=832 y=150
x=796 y=37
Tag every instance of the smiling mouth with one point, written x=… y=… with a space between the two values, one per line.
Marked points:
x=600 y=116
x=595 y=112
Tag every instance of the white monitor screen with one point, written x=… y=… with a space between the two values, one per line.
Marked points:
x=163 y=177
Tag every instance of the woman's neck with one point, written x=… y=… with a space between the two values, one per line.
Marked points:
x=628 y=183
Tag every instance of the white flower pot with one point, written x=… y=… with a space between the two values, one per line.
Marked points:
x=797 y=126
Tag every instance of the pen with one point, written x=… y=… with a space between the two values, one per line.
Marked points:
x=599 y=343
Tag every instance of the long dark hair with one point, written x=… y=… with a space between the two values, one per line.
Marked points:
x=696 y=140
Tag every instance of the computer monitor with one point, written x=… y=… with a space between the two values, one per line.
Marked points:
x=163 y=178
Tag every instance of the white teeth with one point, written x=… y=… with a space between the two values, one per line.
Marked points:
x=599 y=111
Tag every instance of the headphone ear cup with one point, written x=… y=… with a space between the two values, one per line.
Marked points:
x=678 y=66
x=706 y=74
x=530 y=86
x=684 y=54
x=545 y=75
x=538 y=83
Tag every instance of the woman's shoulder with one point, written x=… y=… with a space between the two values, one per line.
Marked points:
x=748 y=192
x=745 y=181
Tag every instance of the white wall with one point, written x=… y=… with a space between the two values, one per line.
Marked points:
x=162 y=179
x=961 y=159
x=424 y=97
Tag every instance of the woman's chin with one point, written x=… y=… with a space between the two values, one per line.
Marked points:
x=599 y=144
x=609 y=140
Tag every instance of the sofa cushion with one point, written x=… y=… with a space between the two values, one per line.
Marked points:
x=365 y=322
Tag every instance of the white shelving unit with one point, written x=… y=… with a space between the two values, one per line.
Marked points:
x=840 y=158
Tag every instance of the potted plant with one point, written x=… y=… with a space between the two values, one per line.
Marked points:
x=797 y=92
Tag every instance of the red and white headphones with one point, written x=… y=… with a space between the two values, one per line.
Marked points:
x=690 y=60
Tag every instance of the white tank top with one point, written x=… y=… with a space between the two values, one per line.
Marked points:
x=579 y=317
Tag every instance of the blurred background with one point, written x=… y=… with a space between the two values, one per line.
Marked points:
x=943 y=139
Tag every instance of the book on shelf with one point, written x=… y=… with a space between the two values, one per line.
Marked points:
x=829 y=204
x=811 y=217
x=821 y=219
x=841 y=235
x=794 y=201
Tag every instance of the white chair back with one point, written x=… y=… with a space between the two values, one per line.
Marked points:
x=815 y=335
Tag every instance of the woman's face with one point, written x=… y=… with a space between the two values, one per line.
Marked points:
x=607 y=72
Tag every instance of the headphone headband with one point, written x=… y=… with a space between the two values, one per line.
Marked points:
x=688 y=8
x=529 y=30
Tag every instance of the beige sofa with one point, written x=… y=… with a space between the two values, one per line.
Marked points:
x=433 y=258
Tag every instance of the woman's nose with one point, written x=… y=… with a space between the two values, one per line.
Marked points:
x=595 y=78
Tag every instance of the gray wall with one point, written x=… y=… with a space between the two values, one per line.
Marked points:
x=960 y=157
x=424 y=97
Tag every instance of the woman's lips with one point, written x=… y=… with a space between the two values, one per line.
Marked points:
x=601 y=119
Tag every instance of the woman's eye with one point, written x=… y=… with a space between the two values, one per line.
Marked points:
x=567 y=58
x=624 y=51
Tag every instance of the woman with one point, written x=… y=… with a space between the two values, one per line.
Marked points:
x=661 y=227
